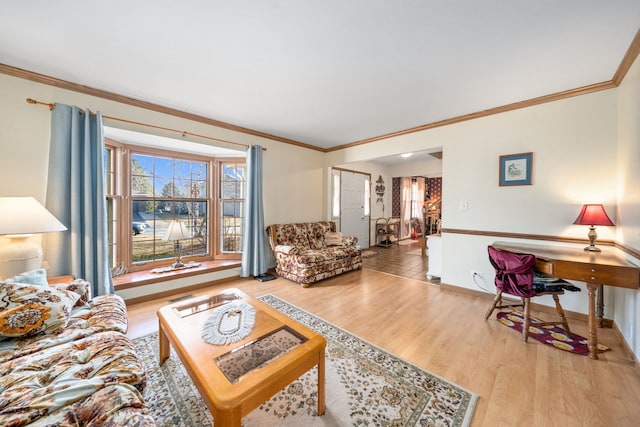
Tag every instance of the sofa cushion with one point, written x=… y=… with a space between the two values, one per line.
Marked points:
x=333 y=238
x=35 y=277
x=310 y=257
x=42 y=383
x=78 y=286
x=27 y=310
x=102 y=313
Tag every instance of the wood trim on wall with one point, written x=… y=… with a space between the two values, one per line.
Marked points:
x=87 y=90
x=627 y=61
x=627 y=249
x=497 y=110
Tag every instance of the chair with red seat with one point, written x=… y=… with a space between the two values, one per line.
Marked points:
x=514 y=276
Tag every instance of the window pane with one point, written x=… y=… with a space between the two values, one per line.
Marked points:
x=163 y=167
x=199 y=170
x=199 y=189
x=182 y=169
x=336 y=196
x=183 y=188
x=197 y=225
x=232 y=192
x=141 y=175
x=367 y=197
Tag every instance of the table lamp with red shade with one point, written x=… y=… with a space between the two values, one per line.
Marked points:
x=592 y=215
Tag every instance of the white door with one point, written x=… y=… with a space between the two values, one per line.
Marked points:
x=354 y=206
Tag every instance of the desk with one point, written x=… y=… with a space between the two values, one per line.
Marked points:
x=609 y=268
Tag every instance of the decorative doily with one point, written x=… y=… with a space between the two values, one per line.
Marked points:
x=229 y=323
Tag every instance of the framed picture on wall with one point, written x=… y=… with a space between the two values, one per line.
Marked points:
x=515 y=169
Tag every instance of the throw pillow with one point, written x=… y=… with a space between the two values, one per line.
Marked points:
x=36 y=277
x=78 y=286
x=27 y=310
x=333 y=238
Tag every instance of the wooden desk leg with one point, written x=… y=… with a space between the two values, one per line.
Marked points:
x=600 y=306
x=592 y=337
x=321 y=397
x=163 y=344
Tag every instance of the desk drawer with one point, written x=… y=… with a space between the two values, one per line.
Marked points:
x=544 y=266
x=598 y=274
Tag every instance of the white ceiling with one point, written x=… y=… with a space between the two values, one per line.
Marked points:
x=324 y=73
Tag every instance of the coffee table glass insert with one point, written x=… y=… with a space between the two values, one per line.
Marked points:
x=197 y=305
x=258 y=353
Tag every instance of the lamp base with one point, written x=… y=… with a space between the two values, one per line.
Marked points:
x=177 y=264
x=19 y=256
x=592 y=240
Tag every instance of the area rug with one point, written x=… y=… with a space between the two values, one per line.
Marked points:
x=365 y=386
x=552 y=335
x=368 y=253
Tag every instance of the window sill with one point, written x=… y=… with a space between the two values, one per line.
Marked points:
x=145 y=277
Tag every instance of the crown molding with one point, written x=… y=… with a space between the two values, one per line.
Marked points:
x=87 y=90
x=627 y=61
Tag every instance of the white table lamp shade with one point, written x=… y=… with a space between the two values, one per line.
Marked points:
x=176 y=231
x=20 y=218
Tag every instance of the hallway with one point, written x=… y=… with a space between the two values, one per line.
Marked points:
x=402 y=260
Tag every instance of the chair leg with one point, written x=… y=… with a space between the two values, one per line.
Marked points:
x=527 y=320
x=561 y=313
x=497 y=301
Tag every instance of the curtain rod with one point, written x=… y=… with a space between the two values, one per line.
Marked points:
x=181 y=132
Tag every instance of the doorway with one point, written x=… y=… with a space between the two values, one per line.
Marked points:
x=355 y=205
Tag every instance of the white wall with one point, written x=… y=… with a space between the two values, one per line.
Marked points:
x=586 y=149
x=292 y=187
x=627 y=302
x=574 y=162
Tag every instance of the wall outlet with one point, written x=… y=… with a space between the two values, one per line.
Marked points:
x=477 y=273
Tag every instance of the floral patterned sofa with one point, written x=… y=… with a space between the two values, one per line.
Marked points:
x=311 y=251
x=64 y=358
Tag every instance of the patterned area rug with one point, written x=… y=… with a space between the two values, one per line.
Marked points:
x=552 y=335
x=365 y=386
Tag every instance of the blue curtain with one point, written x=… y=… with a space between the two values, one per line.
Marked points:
x=254 y=242
x=76 y=196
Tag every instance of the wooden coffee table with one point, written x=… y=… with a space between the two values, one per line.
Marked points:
x=230 y=397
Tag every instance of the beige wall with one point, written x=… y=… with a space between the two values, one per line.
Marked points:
x=293 y=183
x=586 y=149
x=627 y=302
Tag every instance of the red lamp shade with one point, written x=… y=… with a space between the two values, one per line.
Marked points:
x=593 y=215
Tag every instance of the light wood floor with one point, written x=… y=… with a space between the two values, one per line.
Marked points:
x=445 y=332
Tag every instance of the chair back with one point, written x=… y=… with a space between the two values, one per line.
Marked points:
x=514 y=272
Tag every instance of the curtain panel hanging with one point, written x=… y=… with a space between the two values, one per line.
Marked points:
x=254 y=242
x=76 y=195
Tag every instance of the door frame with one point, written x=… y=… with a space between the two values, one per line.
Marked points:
x=338 y=219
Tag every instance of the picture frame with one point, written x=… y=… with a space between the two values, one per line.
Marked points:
x=516 y=169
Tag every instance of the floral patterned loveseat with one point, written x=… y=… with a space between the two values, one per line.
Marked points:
x=64 y=358
x=311 y=251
